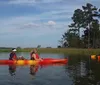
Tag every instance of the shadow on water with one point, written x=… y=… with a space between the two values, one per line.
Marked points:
x=83 y=70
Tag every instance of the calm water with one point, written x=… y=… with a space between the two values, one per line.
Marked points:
x=80 y=70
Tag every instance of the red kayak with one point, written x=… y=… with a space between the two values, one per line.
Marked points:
x=33 y=62
x=52 y=60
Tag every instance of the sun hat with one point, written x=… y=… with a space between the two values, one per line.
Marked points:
x=14 y=49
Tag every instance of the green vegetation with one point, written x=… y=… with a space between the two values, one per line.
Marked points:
x=86 y=19
x=69 y=51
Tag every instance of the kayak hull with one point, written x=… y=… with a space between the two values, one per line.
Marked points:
x=18 y=62
x=33 y=62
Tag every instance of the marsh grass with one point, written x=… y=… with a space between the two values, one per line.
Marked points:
x=70 y=51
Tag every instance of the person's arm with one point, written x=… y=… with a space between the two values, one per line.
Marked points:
x=11 y=55
x=34 y=56
x=40 y=59
x=14 y=59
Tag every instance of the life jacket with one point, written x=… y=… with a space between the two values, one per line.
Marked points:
x=12 y=56
x=37 y=56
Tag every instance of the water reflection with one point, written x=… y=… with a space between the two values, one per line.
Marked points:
x=32 y=68
x=83 y=70
x=12 y=70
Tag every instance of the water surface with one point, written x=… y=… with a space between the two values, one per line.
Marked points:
x=80 y=70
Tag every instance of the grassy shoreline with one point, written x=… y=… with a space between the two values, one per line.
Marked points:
x=69 y=51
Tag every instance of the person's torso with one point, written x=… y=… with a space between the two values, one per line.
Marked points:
x=37 y=56
x=12 y=56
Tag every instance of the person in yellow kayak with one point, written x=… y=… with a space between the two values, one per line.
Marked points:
x=13 y=55
x=34 y=55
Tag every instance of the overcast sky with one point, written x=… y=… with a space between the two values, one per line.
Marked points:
x=28 y=23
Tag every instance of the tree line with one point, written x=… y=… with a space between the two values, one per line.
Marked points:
x=87 y=20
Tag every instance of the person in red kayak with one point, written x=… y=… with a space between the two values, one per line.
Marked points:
x=34 y=55
x=13 y=55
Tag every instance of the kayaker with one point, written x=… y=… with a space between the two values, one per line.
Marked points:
x=34 y=55
x=13 y=55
